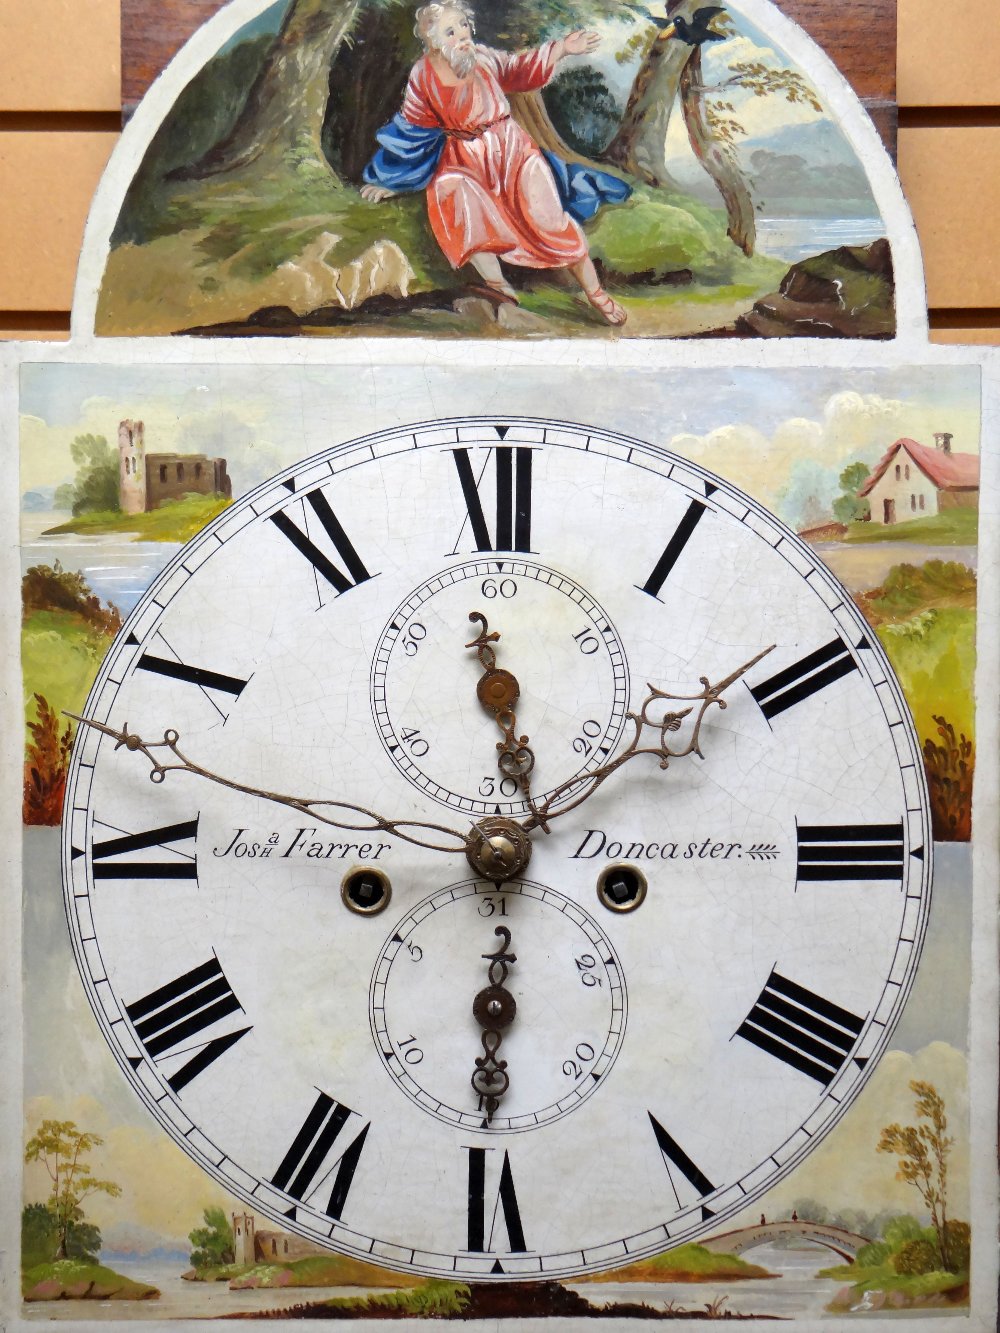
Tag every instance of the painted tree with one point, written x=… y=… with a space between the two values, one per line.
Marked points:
x=848 y=506
x=671 y=74
x=63 y=1150
x=213 y=1243
x=281 y=124
x=923 y=1151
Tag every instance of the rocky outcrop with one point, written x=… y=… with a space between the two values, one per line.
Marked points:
x=844 y=293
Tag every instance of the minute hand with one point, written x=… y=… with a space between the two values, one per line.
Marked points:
x=574 y=791
x=312 y=806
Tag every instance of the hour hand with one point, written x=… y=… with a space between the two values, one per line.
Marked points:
x=498 y=691
x=165 y=757
x=568 y=795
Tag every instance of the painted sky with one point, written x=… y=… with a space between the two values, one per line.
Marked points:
x=784 y=436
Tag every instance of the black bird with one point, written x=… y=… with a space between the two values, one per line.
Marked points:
x=695 y=31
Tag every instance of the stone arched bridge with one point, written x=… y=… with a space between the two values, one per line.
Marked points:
x=844 y=1243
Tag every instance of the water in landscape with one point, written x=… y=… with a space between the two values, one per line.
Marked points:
x=118 y=569
x=796 y=1291
x=792 y=239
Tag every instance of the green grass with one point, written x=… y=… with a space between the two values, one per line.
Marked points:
x=657 y=234
x=60 y=655
x=884 y=1277
x=435 y=1299
x=314 y=1270
x=74 y=1279
x=934 y=656
x=955 y=527
x=686 y=1263
x=174 y=521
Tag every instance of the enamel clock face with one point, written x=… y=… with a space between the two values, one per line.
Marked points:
x=677 y=1048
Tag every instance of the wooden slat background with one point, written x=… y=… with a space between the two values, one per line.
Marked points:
x=65 y=73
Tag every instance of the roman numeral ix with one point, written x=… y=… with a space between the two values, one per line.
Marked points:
x=513 y=499
x=104 y=854
x=834 y=852
x=311 y=1147
x=334 y=575
x=167 y=1018
x=801 y=1029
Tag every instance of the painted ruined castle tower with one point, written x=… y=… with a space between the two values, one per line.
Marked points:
x=145 y=481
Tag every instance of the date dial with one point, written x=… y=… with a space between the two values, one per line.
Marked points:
x=564 y=651
x=567 y=984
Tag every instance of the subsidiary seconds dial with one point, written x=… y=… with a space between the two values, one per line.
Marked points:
x=574 y=682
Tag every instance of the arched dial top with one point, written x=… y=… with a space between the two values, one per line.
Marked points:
x=274 y=1033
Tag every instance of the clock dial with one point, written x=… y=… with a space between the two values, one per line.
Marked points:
x=680 y=1055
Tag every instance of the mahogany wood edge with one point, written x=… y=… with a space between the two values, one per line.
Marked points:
x=56 y=122
x=941 y=317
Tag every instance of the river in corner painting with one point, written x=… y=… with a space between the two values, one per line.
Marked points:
x=524 y=169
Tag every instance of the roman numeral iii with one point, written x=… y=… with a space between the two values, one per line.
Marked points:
x=334 y=575
x=310 y=1150
x=168 y=1018
x=804 y=678
x=513 y=499
x=104 y=854
x=833 y=852
x=802 y=1029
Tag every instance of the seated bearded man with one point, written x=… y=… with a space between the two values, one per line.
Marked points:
x=491 y=193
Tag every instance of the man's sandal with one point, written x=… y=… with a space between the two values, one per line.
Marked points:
x=497 y=296
x=606 y=306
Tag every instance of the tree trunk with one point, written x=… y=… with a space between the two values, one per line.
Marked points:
x=367 y=83
x=639 y=147
x=286 y=106
x=719 y=164
x=530 y=112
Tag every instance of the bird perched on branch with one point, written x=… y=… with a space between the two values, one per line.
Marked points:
x=695 y=31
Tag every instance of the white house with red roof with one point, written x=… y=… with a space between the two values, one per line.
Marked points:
x=913 y=481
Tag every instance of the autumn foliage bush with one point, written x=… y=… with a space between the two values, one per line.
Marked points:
x=950 y=765
x=46 y=765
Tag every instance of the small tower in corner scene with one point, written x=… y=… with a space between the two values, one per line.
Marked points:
x=244 y=1240
x=131 y=467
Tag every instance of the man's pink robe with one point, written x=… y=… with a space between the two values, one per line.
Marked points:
x=493 y=192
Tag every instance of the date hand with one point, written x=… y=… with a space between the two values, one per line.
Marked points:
x=568 y=795
x=494 y=1009
x=315 y=807
x=498 y=692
